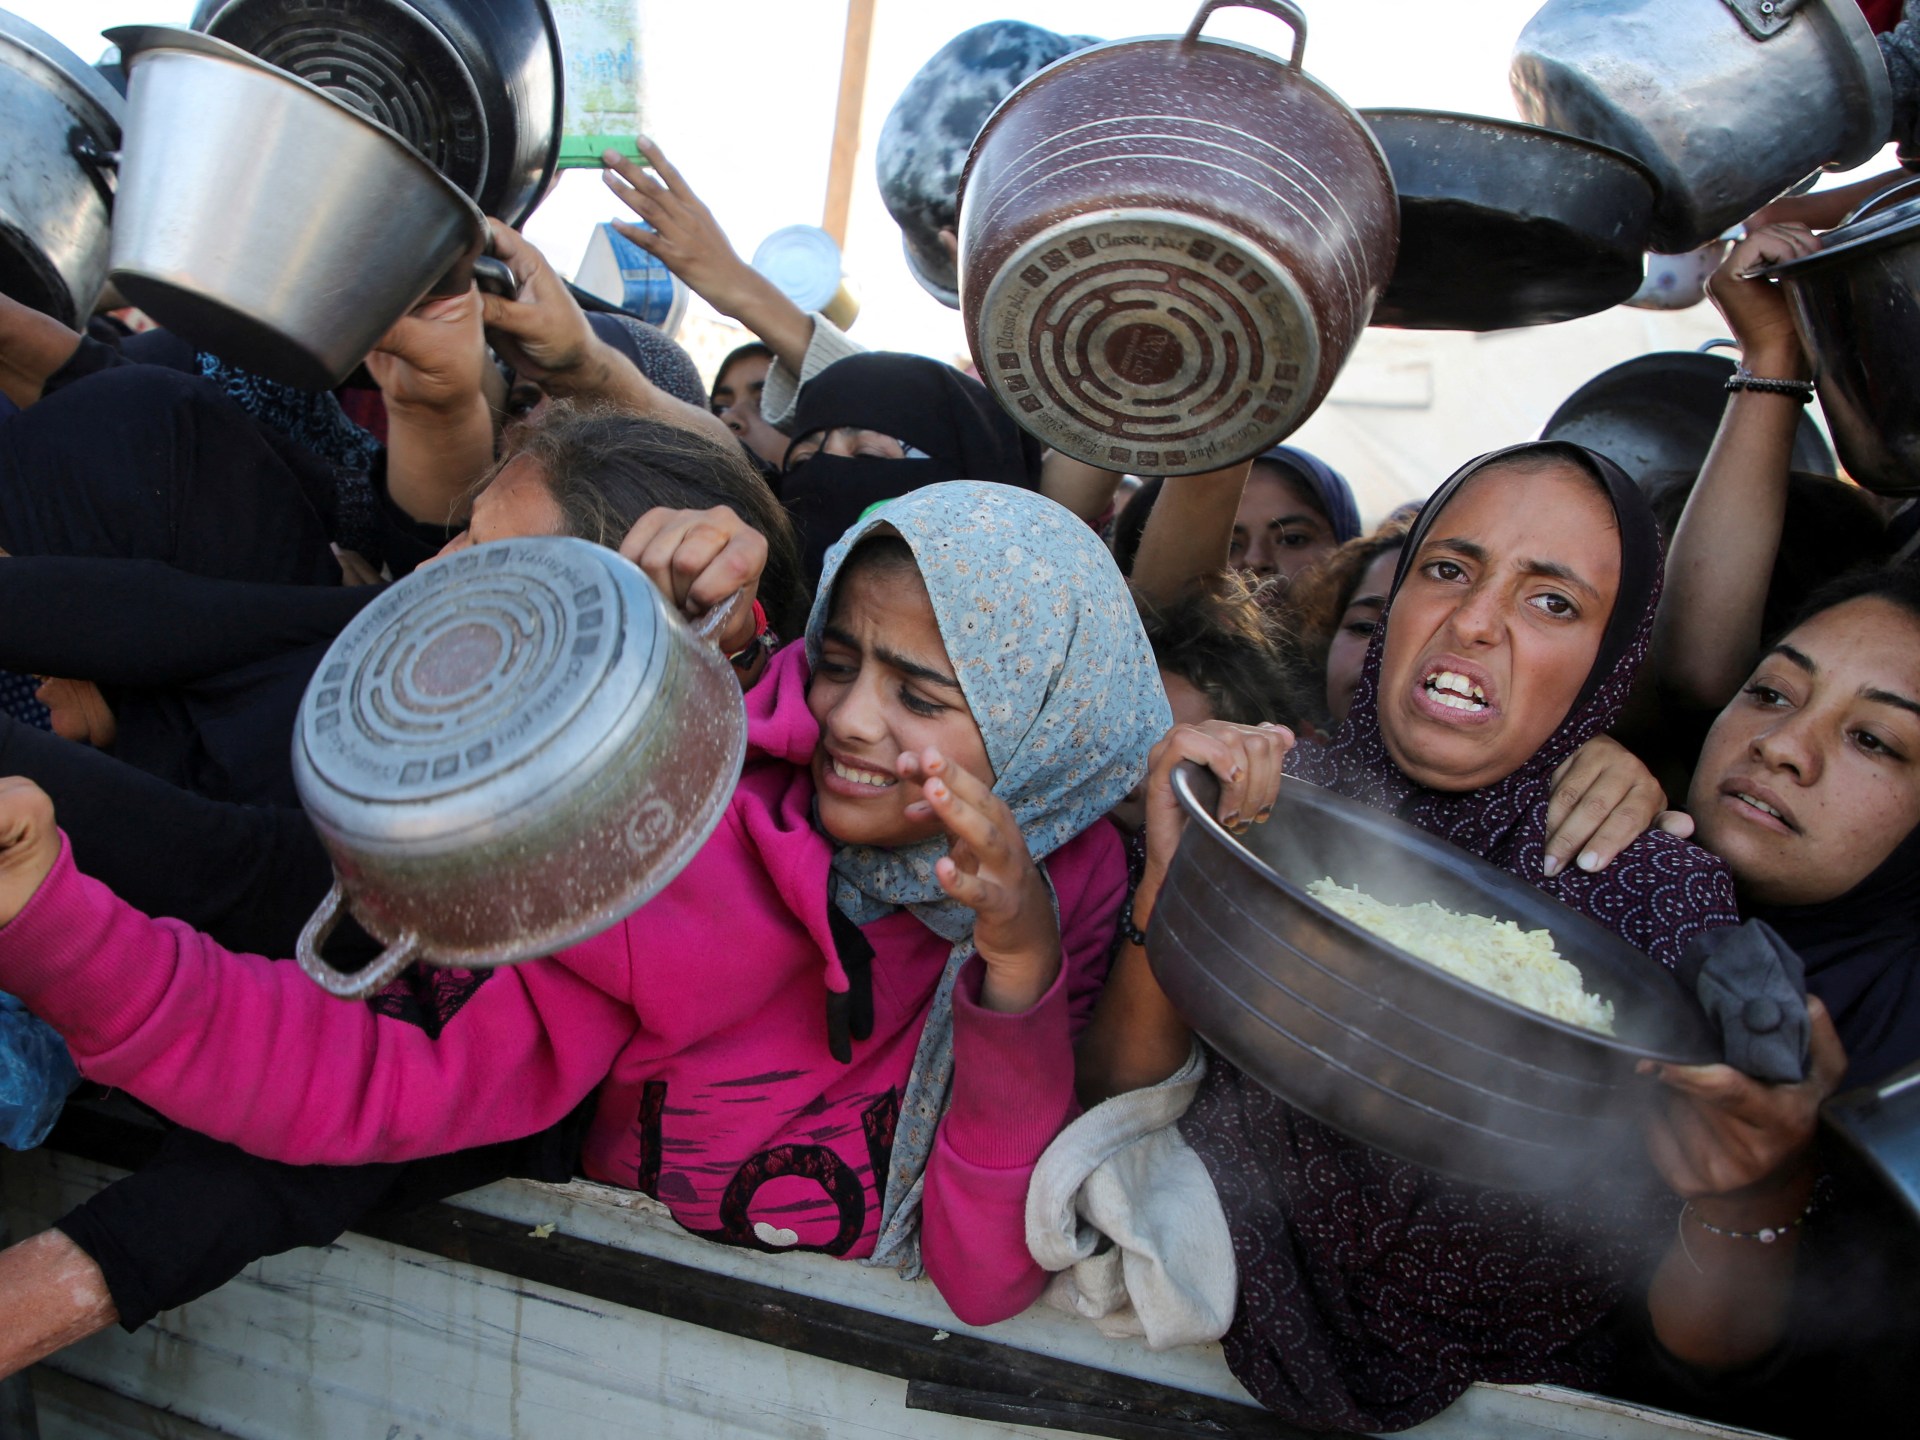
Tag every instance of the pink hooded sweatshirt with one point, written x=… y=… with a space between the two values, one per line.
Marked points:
x=702 y=1018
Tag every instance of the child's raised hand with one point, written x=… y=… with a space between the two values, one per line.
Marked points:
x=987 y=868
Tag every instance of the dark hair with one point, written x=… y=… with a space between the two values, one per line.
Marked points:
x=1897 y=583
x=1829 y=528
x=1319 y=597
x=752 y=350
x=1221 y=640
x=1131 y=523
x=606 y=468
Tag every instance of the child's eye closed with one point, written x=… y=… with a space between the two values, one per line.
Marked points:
x=919 y=704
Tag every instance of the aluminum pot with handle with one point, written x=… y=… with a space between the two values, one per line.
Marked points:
x=1375 y=1042
x=1856 y=306
x=1728 y=102
x=267 y=221
x=509 y=751
x=62 y=123
x=1169 y=245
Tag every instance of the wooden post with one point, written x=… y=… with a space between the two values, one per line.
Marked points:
x=846 y=119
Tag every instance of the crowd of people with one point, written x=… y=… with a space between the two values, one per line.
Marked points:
x=913 y=954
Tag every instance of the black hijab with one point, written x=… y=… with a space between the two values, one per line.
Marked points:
x=1374 y=1291
x=950 y=417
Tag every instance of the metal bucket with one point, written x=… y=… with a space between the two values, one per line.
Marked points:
x=1383 y=1046
x=508 y=752
x=265 y=220
x=61 y=121
x=1169 y=245
x=1728 y=102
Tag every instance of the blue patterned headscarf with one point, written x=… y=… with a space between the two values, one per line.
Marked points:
x=1050 y=654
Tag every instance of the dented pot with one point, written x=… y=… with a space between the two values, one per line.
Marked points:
x=511 y=750
x=1168 y=246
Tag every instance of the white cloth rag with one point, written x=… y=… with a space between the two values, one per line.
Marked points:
x=1125 y=1214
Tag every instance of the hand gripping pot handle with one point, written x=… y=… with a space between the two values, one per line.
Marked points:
x=348 y=984
x=1280 y=9
x=403 y=951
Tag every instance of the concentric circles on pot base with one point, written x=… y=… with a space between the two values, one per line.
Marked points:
x=1136 y=340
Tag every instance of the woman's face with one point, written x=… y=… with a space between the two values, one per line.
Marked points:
x=1497 y=625
x=883 y=686
x=736 y=400
x=1278 y=529
x=515 y=503
x=846 y=441
x=1811 y=776
x=1348 y=652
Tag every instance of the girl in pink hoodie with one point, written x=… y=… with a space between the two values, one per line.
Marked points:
x=845 y=1027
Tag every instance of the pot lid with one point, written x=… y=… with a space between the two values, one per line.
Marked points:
x=804 y=264
x=87 y=86
x=502 y=668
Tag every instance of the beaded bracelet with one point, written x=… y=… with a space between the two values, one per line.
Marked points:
x=1744 y=379
x=1130 y=932
x=1766 y=1234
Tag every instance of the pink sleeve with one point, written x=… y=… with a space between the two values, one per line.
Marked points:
x=251 y=1051
x=1012 y=1093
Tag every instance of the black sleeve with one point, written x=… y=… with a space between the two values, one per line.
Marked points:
x=144 y=623
x=248 y=875
x=404 y=542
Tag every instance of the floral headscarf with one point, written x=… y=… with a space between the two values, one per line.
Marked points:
x=1054 y=665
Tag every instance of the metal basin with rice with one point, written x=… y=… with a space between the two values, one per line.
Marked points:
x=1389 y=1049
x=267 y=221
x=509 y=751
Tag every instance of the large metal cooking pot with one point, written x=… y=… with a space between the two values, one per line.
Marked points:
x=1856 y=305
x=1728 y=102
x=1504 y=225
x=473 y=85
x=1882 y=1122
x=267 y=221
x=59 y=118
x=1393 y=1051
x=1168 y=246
x=509 y=751
x=1656 y=415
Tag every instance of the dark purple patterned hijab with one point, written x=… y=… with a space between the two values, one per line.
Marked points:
x=1373 y=1291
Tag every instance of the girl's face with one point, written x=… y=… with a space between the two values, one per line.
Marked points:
x=1811 y=776
x=884 y=686
x=1347 y=655
x=1278 y=529
x=515 y=503
x=1497 y=625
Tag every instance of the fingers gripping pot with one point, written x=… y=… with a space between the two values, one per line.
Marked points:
x=1168 y=245
x=508 y=752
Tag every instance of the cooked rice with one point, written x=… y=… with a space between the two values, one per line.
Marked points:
x=1497 y=955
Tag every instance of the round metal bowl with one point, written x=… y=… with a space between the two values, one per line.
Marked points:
x=509 y=751
x=1389 y=1049
x=1503 y=225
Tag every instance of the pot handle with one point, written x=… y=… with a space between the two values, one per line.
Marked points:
x=1280 y=9
x=1721 y=344
x=348 y=984
x=492 y=275
x=102 y=166
x=709 y=625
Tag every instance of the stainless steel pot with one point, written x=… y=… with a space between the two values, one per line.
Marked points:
x=1882 y=1122
x=61 y=120
x=1728 y=102
x=267 y=221
x=1856 y=306
x=509 y=751
x=1395 y=1052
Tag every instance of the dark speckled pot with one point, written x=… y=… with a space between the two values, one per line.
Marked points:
x=1169 y=245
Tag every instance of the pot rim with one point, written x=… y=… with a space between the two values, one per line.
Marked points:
x=1891 y=228
x=1519 y=129
x=85 y=83
x=136 y=42
x=1377 y=945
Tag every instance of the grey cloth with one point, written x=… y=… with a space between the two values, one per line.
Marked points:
x=655 y=356
x=1900 y=48
x=1754 y=990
